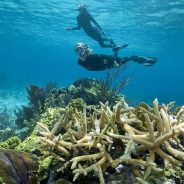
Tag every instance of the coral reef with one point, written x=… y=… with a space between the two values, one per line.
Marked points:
x=87 y=132
x=92 y=91
x=148 y=143
x=10 y=143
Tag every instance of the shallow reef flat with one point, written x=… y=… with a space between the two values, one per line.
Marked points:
x=74 y=141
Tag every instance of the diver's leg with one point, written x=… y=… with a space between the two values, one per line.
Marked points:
x=147 y=61
x=125 y=60
x=95 y=34
x=102 y=44
x=107 y=39
x=114 y=45
x=111 y=41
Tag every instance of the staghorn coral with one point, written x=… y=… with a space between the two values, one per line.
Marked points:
x=40 y=99
x=160 y=139
x=107 y=138
x=49 y=117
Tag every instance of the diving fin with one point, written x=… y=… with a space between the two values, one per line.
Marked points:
x=146 y=61
x=118 y=47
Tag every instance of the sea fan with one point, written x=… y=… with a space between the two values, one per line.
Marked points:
x=112 y=85
x=17 y=167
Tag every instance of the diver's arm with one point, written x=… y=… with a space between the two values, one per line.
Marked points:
x=74 y=28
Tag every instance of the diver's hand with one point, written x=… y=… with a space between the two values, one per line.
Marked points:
x=115 y=64
x=68 y=28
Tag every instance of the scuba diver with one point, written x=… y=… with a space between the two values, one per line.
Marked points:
x=99 y=62
x=85 y=20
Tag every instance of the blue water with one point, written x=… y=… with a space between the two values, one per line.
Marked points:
x=36 y=49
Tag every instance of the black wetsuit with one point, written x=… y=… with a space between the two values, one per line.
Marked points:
x=84 y=21
x=98 y=62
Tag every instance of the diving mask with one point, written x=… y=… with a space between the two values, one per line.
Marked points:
x=81 y=49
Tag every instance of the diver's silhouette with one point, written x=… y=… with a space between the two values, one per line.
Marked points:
x=98 y=62
x=91 y=27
